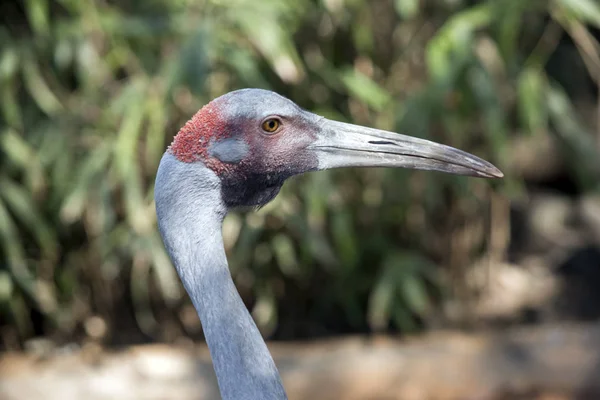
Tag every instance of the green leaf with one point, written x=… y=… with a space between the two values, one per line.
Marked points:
x=532 y=108
x=23 y=207
x=38 y=15
x=365 y=89
x=484 y=90
x=6 y=287
x=9 y=64
x=39 y=89
x=407 y=9
x=15 y=254
x=192 y=64
x=587 y=10
x=127 y=161
x=285 y=255
x=380 y=303
x=344 y=238
x=451 y=46
x=90 y=168
x=415 y=294
x=580 y=148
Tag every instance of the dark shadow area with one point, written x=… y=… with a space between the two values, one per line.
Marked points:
x=579 y=297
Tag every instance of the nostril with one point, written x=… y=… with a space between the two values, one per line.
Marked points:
x=380 y=142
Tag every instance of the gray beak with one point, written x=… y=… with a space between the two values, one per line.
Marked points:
x=340 y=144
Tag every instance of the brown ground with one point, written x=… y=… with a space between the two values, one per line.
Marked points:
x=546 y=362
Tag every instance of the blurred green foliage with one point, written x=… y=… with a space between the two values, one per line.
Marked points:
x=93 y=91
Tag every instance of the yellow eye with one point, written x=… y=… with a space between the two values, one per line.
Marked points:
x=271 y=125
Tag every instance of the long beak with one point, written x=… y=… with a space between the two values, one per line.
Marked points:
x=345 y=145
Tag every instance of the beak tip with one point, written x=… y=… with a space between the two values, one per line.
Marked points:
x=496 y=173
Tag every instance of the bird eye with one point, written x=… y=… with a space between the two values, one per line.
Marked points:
x=271 y=125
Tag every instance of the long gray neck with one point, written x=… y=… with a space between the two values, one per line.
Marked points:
x=190 y=215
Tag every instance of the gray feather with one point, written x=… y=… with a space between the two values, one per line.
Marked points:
x=190 y=213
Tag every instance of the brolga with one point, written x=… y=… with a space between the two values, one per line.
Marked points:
x=237 y=151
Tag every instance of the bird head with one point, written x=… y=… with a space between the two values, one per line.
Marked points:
x=254 y=139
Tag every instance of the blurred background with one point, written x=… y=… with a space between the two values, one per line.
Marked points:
x=92 y=92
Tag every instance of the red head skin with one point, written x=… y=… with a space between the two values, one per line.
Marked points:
x=192 y=141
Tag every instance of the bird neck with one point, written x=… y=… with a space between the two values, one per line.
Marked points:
x=190 y=214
